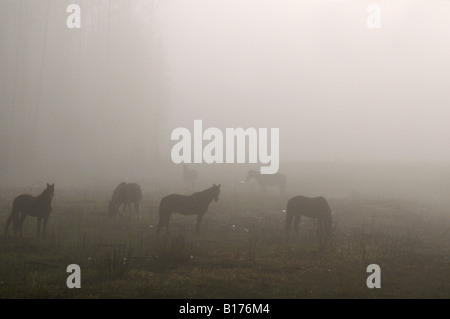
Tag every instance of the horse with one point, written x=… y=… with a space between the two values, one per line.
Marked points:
x=265 y=180
x=316 y=207
x=189 y=176
x=125 y=194
x=39 y=206
x=195 y=204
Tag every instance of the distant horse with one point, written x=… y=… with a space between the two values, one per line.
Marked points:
x=39 y=206
x=125 y=194
x=195 y=204
x=310 y=207
x=265 y=180
x=189 y=176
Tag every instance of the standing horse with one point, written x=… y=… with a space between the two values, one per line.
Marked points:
x=265 y=180
x=195 y=204
x=39 y=206
x=189 y=176
x=310 y=207
x=125 y=194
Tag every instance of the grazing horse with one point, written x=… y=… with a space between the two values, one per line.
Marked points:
x=310 y=207
x=125 y=193
x=39 y=206
x=195 y=204
x=265 y=180
x=189 y=176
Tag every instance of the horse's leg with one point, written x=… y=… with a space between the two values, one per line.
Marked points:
x=166 y=221
x=16 y=225
x=129 y=211
x=328 y=228
x=319 y=228
x=20 y=225
x=296 y=222
x=136 y=208
x=289 y=217
x=162 y=217
x=160 y=224
x=199 y=220
x=45 y=225
x=39 y=220
x=123 y=209
x=10 y=219
x=14 y=217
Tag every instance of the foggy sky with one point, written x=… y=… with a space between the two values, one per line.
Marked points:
x=336 y=89
x=113 y=91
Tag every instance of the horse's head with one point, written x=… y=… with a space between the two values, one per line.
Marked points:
x=216 y=191
x=49 y=191
x=251 y=174
x=112 y=208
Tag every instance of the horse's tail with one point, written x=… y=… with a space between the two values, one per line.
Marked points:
x=14 y=217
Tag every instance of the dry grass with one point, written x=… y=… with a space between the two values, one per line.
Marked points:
x=241 y=253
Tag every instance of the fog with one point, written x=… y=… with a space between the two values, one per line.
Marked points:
x=98 y=104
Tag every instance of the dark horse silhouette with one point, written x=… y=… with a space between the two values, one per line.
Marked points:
x=39 y=206
x=195 y=204
x=310 y=207
x=189 y=176
x=265 y=180
x=125 y=193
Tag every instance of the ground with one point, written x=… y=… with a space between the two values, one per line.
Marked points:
x=241 y=251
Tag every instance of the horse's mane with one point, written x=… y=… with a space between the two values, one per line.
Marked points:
x=45 y=194
x=116 y=193
x=204 y=192
x=116 y=190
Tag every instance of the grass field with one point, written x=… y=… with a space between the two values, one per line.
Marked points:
x=240 y=253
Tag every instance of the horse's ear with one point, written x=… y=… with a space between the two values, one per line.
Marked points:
x=48 y=184
x=220 y=184
x=214 y=185
x=53 y=185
